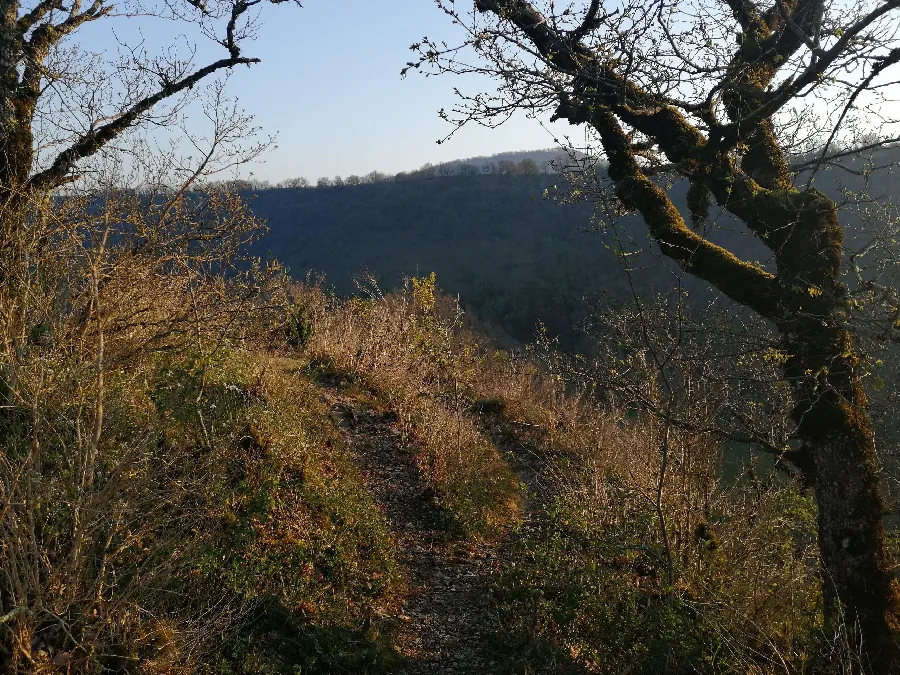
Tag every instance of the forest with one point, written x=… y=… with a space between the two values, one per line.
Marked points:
x=622 y=406
x=503 y=243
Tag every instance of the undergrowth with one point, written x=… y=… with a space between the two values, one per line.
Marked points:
x=620 y=564
x=407 y=350
x=300 y=542
x=177 y=497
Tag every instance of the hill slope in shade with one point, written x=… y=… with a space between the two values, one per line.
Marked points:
x=512 y=255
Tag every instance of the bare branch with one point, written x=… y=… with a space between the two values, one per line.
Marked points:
x=90 y=143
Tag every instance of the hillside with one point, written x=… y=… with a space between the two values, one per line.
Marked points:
x=468 y=418
x=301 y=483
x=513 y=256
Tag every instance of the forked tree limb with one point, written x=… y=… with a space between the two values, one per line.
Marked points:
x=94 y=140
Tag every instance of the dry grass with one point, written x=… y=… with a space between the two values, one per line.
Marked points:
x=156 y=479
x=175 y=496
x=638 y=513
x=717 y=575
x=408 y=352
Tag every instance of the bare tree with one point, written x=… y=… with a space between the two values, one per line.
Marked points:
x=60 y=105
x=294 y=183
x=721 y=94
x=375 y=177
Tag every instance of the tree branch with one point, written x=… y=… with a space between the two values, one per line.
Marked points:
x=777 y=99
x=27 y=21
x=590 y=22
x=44 y=37
x=94 y=140
x=891 y=59
x=597 y=84
x=742 y=282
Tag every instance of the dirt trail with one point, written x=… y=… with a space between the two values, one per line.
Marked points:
x=445 y=623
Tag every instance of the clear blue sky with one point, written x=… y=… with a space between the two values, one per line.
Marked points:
x=329 y=85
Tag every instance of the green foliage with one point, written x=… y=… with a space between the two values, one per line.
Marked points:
x=299 y=328
x=582 y=595
x=277 y=644
x=488 y=406
x=586 y=599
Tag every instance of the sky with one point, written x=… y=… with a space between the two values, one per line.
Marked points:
x=329 y=86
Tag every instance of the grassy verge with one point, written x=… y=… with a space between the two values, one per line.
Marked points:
x=299 y=540
x=630 y=566
x=221 y=528
x=626 y=563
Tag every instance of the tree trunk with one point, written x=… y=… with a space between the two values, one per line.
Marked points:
x=834 y=425
x=16 y=109
x=835 y=428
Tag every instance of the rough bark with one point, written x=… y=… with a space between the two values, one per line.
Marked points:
x=16 y=143
x=834 y=426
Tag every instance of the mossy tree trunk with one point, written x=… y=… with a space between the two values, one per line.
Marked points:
x=809 y=304
x=732 y=154
x=838 y=453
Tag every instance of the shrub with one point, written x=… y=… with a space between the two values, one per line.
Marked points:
x=299 y=329
x=170 y=495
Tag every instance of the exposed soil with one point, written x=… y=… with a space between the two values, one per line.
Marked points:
x=445 y=625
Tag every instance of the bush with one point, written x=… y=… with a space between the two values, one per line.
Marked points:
x=592 y=582
x=299 y=540
x=299 y=329
x=172 y=491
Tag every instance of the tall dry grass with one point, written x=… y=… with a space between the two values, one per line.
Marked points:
x=719 y=557
x=101 y=514
x=708 y=553
x=642 y=514
x=407 y=348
